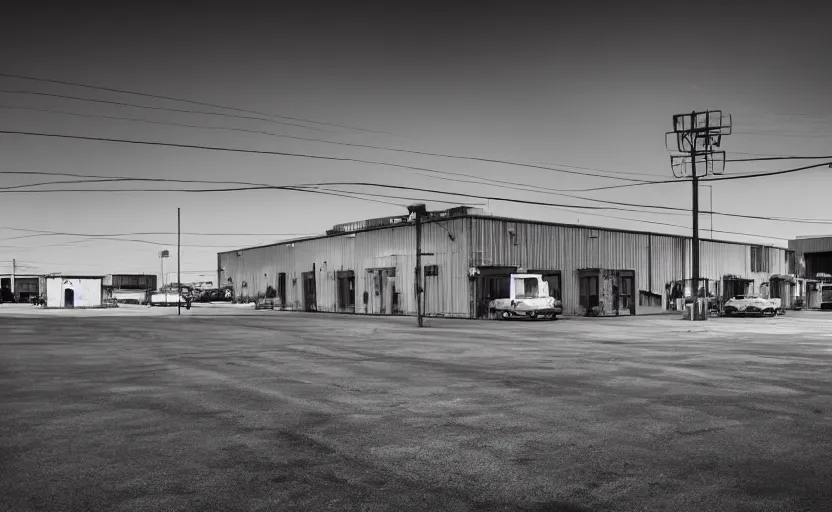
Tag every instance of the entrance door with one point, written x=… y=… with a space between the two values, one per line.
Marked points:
x=309 y=299
x=281 y=289
x=626 y=297
x=69 y=298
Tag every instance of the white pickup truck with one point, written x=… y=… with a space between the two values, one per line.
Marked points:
x=529 y=297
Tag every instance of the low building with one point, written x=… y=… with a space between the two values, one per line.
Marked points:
x=130 y=288
x=64 y=291
x=368 y=267
x=26 y=287
x=813 y=266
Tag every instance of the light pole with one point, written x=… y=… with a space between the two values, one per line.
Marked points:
x=162 y=255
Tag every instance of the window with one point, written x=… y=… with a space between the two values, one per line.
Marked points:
x=588 y=286
x=759 y=258
x=431 y=270
x=525 y=288
x=790 y=267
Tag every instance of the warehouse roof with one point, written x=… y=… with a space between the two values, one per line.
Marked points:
x=457 y=213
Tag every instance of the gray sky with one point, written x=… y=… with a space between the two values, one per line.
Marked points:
x=589 y=85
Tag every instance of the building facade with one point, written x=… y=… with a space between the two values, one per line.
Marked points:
x=369 y=267
x=73 y=291
x=19 y=288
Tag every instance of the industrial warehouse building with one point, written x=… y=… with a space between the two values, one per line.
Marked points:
x=368 y=267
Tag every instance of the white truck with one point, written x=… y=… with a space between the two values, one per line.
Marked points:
x=528 y=297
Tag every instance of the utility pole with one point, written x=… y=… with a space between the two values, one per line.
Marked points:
x=179 y=261
x=14 y=271
x=418 y=210
x=696 y=135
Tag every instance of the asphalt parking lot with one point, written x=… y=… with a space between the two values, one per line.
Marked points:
x=133 y=410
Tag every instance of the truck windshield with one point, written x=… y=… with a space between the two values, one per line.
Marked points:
x=525 y=288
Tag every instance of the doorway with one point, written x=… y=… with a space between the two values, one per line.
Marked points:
x=381 y=297
x=69 y=298
x=345 y=291
x=625 y=291
x=281 y=289
x=492 y=283
x=309 y=297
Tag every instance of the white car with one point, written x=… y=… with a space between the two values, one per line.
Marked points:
x=168 y=299
x=742 y=305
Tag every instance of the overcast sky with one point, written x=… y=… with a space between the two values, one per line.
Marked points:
x=584 y=85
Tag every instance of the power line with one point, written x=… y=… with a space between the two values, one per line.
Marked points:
x=770 y=173
x=148 y=107
x=317 y=186
x=323 y=141
x=769 y=158
x=284 y=153
x=182 y=100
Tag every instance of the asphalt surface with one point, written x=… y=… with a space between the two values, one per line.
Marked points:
x=121 y=411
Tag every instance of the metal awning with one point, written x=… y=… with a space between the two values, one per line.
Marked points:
x=783 y=277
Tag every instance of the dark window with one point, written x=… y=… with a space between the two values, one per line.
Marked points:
x=790 y=267
x=588 y=291
x=431 y=270
x=525 y=288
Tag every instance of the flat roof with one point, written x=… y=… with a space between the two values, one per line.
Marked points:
x=497 y=218
x=70 y=276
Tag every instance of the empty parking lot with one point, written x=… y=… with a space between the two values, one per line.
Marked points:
x=280 y=411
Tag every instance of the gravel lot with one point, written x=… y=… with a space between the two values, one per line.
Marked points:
x=230 y=409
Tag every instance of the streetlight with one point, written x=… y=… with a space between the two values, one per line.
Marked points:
x=162 y=255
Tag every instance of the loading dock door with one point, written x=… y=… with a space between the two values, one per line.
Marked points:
x=492 y=283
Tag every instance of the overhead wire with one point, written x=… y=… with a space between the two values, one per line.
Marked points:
x=145 y=107
x=183 y=100
x=298 y=155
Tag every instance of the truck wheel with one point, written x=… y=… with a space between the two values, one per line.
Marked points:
x=533 y=315
x=505 y=315
x=554 y=317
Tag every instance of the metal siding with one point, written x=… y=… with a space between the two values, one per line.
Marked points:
x=393 y=247
x=483 y=242
x=569 y=249
x=803 y=246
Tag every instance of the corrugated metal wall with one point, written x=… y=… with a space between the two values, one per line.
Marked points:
x=570 y=248
x=382 y=248
x=460 y=243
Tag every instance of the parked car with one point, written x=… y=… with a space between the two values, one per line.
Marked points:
x=743 y=305
x=169 y=299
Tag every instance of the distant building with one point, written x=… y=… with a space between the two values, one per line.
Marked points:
x=25 y=288
x=813 y=267
x=64 y=291
x=130 y=288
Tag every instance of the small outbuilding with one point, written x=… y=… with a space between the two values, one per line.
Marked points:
x=74 y=291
